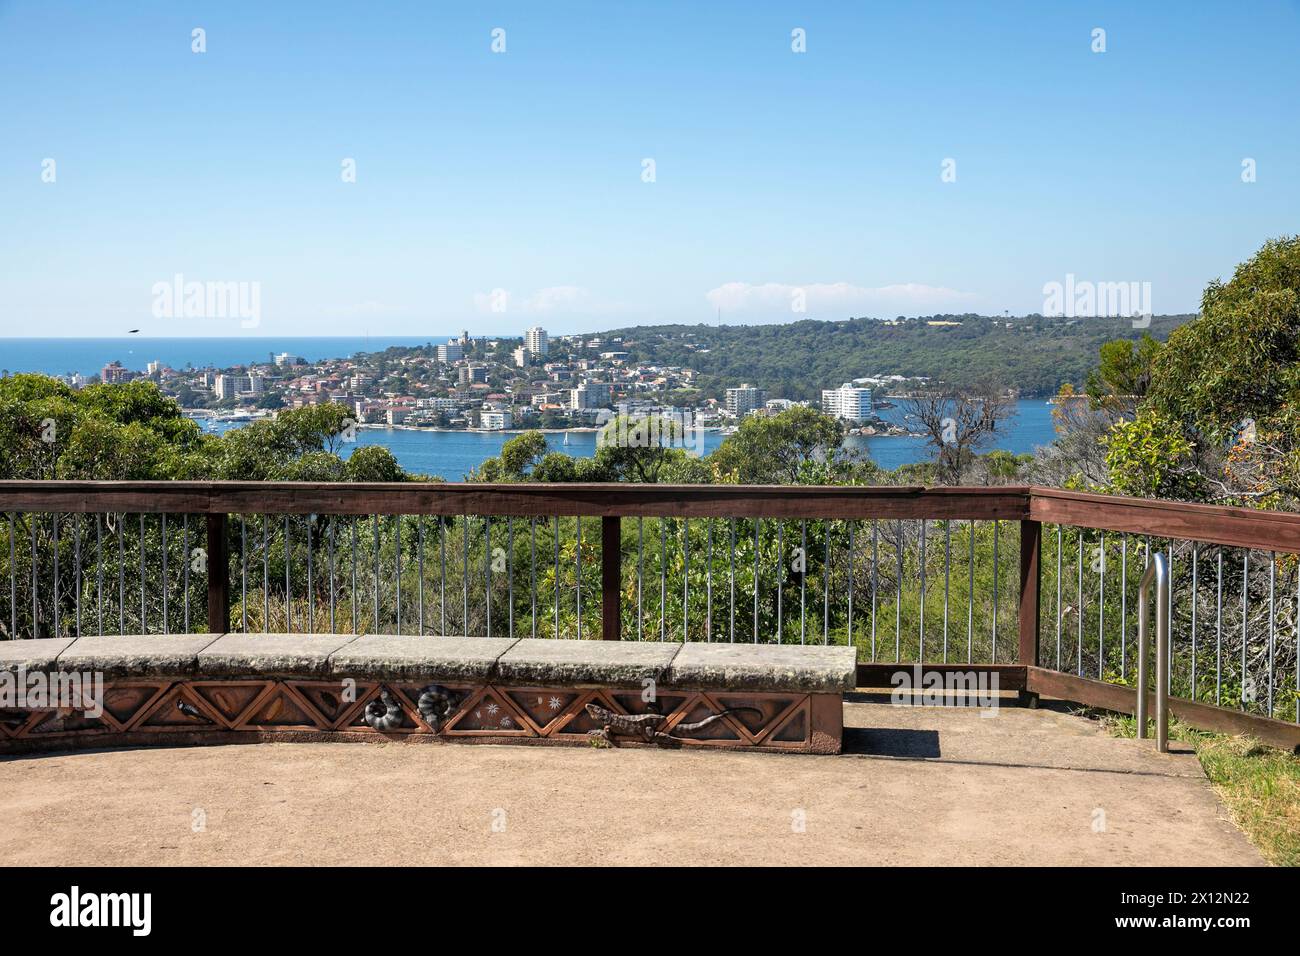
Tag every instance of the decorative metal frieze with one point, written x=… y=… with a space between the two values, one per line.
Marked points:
x=140 y=710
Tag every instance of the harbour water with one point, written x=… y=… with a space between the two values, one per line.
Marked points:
x=453 y=454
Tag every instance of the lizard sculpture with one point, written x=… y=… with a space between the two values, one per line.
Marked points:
x=646 y=726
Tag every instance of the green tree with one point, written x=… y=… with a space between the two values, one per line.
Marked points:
x=772 y=449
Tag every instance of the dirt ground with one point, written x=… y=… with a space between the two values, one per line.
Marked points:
x=936 y=785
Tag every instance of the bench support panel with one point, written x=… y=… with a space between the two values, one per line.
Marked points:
x=195 y=710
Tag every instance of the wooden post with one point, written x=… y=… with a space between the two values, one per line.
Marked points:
x=218 y=564
x=1031 y=541
x=611 y=575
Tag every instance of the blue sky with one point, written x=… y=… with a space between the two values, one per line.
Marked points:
x=522 y=171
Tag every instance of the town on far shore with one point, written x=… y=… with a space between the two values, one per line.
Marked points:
x=571 y=382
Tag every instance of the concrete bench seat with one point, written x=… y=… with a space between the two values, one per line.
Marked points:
x=197 y=688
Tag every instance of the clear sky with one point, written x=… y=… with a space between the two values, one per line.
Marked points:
x=524 y=171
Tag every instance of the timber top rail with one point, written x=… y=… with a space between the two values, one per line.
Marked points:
x=1212 y=524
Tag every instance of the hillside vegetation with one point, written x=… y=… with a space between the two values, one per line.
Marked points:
x=797 y=360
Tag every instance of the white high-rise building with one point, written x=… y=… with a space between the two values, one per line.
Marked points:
x=536 y=341
x=743 y=400
x=451 y=352
x=590 y=395
x=847 y=402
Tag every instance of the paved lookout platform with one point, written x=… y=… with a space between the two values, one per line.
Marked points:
x=236 y=688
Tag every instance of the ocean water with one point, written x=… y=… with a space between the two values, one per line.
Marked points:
x=88 y=356
x=451 y=455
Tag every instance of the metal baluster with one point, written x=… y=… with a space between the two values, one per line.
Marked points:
x=1123 y=607
x=663 y=578
x=311 y=580
x=243 y=574
x=733 y=580
x=375 y=523
x=76 y=567
x=1195 y=575
x=13 y=583
x=397 y=572
x=442 y=557
x=1245 y=619
x=266 y=571
x=1272 y=623
x=577 y=521
x=756 y=580
x=1101 y=608
x=1060 y=549
x=875 y=570
x=708 y=583
x=185 y=571
x=921 y=650
x=510 y=574
x=144 y=617
x=826 y=587
x=780 y=579
x=851 y=525
x=487 y=570
x=36 y=617
x=803 y=581
x=898 y=599
x=686 y=578
x=557 y=576
x=996 y=526
x=166 y=620
x=1218 y=633
x=970 y=595
x=352 y=598
x=947 y=575
x=1079 y=609
x=57 y=615
x=640 y=573
x=99 y=574
x=532 y=558
x=288 y=580
x=465 y=576
x=419 y=570
x=1169 y=667
x=333 y=615
x=121 y=570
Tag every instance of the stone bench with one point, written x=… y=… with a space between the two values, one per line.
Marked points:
x=249 y=687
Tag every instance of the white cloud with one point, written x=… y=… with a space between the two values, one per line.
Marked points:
x=834 y=300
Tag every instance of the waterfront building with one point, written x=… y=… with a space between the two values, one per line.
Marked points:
x=847 y=402
x=743 y=400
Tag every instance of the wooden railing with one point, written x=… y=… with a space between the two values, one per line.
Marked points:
x=1052 y=530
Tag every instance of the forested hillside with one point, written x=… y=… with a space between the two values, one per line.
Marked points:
x=797 y=360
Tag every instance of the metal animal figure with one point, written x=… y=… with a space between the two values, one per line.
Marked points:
x=646 y=726
x=436 y=704
x=384 y=712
